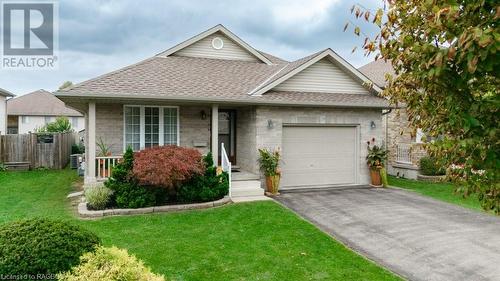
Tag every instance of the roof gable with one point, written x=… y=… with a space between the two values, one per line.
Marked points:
x=39 y=103
x=233 y=48
x=6 y=93
x=329 y=71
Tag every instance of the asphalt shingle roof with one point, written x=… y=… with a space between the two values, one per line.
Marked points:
x=39 y=103
x=376 y=71
x=204 y=79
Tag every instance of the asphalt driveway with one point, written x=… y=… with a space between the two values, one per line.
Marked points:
x=417 y=237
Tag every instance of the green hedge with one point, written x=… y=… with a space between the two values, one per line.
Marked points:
x=42 y=246
x=429 y=166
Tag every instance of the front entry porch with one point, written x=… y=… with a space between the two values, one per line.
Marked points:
x=206 y=128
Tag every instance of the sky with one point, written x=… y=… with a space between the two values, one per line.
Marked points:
x=98 y=36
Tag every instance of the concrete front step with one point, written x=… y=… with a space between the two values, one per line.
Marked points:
x=250 y=198
x=246 y=188
x=247 y=191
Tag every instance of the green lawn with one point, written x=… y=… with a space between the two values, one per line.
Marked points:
x=252 y=241
x=441 y=191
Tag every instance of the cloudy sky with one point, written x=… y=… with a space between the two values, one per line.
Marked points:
x=98 y=36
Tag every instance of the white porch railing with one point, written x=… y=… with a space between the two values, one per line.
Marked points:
x=105 y=165
x=403 y=153
x=226 y=165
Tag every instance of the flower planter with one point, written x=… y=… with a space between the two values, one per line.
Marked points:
x=376 y=179
x=272 y=184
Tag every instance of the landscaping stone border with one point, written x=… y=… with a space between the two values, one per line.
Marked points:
x=86 y=213
x=431 y=178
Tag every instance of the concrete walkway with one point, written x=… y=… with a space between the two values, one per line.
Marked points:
x=415 y=236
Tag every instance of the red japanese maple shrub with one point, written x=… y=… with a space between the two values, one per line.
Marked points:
x=167 y=166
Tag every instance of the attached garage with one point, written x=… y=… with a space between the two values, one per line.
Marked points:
x=319 y=156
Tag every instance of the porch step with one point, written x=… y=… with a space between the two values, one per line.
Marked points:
x=243 y=176
x=250 y=198
x=246 y=188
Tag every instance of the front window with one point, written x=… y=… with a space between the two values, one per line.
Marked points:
x=151 y=126
x=147 y=126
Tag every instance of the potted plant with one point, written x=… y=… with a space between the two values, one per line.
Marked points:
x=375 y=160
x=269 y=164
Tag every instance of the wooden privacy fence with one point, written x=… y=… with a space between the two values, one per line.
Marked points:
x=35 y=150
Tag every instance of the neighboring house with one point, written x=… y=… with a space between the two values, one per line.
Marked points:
x=4 y=95
x=405 y=145
x=215 y=88
x=29 y=112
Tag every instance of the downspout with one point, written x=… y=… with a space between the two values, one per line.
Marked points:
x=385 y=114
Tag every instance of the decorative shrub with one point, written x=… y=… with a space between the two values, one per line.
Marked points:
x=99 y=197
x=206 y=187
x=77 y=149
x=109 y=264
x=42 y=246
x=127 y=192
x=167 y=166
x=131 y=195
x=429 y=166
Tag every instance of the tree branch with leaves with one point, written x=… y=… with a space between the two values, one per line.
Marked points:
x=446 y=56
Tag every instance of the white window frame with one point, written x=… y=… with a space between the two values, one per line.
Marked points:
x=142 y=109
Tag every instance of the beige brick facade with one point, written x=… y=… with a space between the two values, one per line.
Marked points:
x=400 y=133
x=272 y=137
x=194 y=131
x=246 y=148
x=252 y=129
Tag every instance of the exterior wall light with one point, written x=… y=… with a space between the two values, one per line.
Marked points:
x=203 y=115
x=373 y=125
x=270 y=124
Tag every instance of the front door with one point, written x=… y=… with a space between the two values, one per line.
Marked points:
x=227 y=133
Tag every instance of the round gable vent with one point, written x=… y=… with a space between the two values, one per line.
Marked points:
x=217 y=43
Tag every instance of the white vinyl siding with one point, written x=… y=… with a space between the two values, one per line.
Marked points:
x=325 y=77
x=204 y=49
x=147 y=126
x=74 y=122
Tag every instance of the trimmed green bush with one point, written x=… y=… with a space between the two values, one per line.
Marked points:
x=127 y=193
x=109 y=264
x=99 y=197
x=42 y=246
x=207 y=187
x=429 y=166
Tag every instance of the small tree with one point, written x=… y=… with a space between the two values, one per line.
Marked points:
x=447 y=62
x=60 y=125
x=167 y=166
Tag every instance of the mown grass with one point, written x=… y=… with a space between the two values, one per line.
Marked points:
x=442 y=191
x=250 y=241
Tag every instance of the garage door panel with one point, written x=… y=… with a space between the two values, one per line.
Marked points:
x=318 y=156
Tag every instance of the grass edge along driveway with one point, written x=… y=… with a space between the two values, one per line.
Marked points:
x=249 y=241
x=443 y=191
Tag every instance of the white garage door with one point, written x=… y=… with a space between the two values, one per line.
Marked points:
x=318 y=156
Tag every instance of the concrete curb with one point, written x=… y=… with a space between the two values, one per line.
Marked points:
x=86 y=213
x=441 y=178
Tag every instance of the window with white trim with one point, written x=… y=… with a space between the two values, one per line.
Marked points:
x=147 y=126
x=170 y=125
x=133 y=127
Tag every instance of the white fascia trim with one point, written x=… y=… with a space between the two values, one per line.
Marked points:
x=326 y=53
x=209 y=32
x=251 y=93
